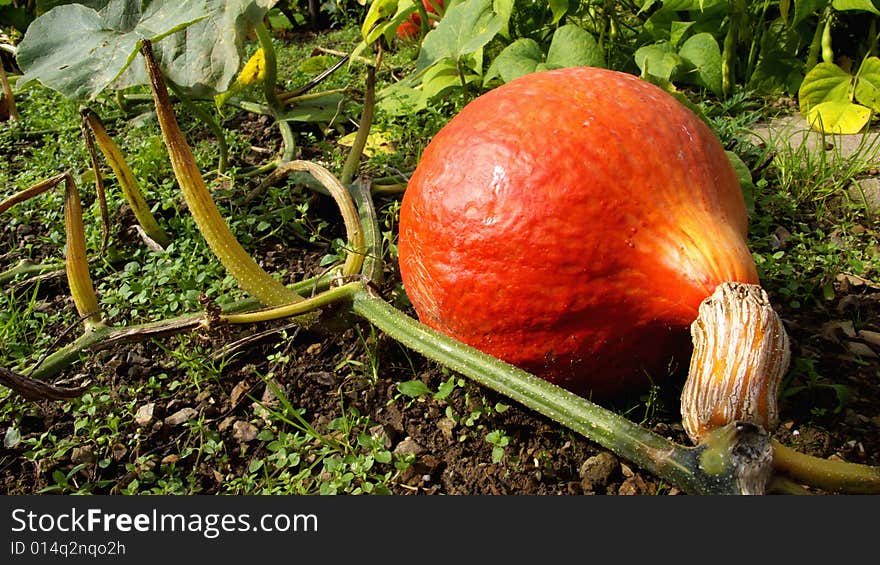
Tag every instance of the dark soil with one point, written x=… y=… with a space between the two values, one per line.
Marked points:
x=541 y=458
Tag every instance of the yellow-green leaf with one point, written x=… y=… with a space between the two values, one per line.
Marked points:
x=825 y=82
x=838 y=117
x=377 y=143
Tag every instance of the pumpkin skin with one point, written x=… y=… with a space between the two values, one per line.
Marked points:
x=571 y=222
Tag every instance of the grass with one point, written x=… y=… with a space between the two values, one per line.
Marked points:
x=96 y=445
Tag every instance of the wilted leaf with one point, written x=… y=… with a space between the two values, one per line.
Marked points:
x=377 y=142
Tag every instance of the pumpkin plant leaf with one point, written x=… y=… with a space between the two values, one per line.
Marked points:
x=321 y=109
x=572 y=46
x=517 y=59
x=865 y=5
x=442 y=77
x=79 y=51
x=465 y=27
x=838 y=117
x=803 y=9
x=204 y=58
x=659 y=60
x=702 y=51
x=558 y=8
x=825 y=82
x=868 y=84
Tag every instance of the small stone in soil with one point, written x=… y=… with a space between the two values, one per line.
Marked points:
x=144 y=414
x=82 y=455
x=181 y=416
x=596 y=472
x=244 y=431
x=408 y=447
x=239 y=390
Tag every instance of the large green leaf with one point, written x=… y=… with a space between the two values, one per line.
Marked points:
x=659 y=60
x=779 y=67
x=571 y=46
x=805 y=8
x=865 y=5
x=826 y=82
x=465 y=27
x=868 y=85
x=558 y=8
x=517 y=59
x=702 y=51
x=574 y=47
x=79 y=51
x=204 y=58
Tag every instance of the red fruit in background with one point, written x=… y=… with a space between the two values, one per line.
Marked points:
x=571 y=222
x=412 y=27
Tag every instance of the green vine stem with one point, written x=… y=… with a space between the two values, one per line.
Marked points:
x=276 y=106
x=702 y=470
x=352 y=162
x=825 y=473
x=27 y=269
x=131 y=190
x=250 y=276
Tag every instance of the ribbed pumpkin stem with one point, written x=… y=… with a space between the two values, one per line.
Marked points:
x=741 y=352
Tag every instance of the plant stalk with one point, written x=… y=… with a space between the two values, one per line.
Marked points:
x=250 y=276
x=127 y=182
x=81 y=289
x=836 y=476
x=10 y=97
x=207 y=119
x=275 y=105
x=352 y=162
x=100 y=193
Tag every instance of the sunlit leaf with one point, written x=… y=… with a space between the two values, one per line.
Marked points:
x=517 y=59
x=465 y=27
x=864 y=5
x=574 y=47
x=825 y=82
x=838 y=117
x=703 y=52
x=868 y=85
